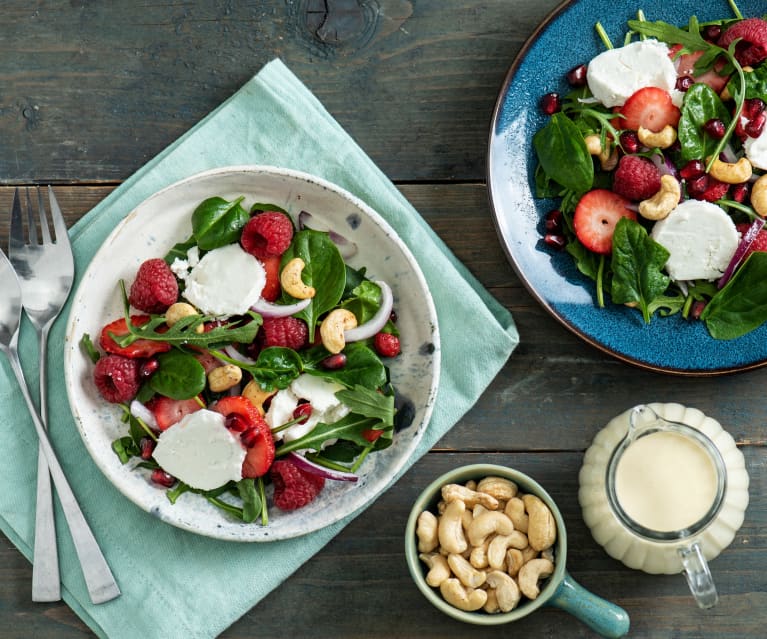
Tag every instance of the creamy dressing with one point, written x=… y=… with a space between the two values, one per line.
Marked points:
x=665 y=481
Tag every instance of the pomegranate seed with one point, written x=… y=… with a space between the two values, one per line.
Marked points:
x=754 y=127
x=249 y=437
x=555 y=240
x=393 y=317
x=236 y=423
x=740 y=192
x=712 y=32
x=147 y=445
x=697 y=309
x=740 y=131
x=684 y=82
x=715 y=128
x=698 y=185
x=302 y=412
x=554 y=220
x=629 y=142
x=386 y=344
x=159 y=476
x=334 y=362
x=693 y=169
x=149 y=367
x=752 y=107
x=550 y=103
x=576 y=76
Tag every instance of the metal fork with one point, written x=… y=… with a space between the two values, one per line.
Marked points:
x=45 y=273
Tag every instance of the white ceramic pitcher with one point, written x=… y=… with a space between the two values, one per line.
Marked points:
x=691 y=465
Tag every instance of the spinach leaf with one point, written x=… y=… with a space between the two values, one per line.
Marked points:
x=179 y=250
x=364 y=301
x=701 y=103
x=756 y=83
x=324 y=269
x=369 y=403
x=741 y=306
x=179 y=375
x=275 y=367
x=217 y=222
x=637 y=265
x=363 y=366
x=259 y=207
x=125 y=448
x=251 y=501
x=563 y=155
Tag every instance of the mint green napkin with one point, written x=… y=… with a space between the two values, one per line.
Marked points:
x=175 y=583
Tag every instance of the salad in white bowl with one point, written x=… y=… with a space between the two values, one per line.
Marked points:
x=657 y=156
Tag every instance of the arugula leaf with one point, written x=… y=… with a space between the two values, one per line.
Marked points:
x=251 y=501
x=690 y=39
x=637 y=265
x=563 y=155
x=350 y=428
x=179 y=376
x=217 y=222
x=125 y=448
x=701 y=104
x=90 y=350
x=741 y=306
x=369 y=403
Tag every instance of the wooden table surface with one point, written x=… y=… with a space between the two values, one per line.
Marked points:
x=89 y=91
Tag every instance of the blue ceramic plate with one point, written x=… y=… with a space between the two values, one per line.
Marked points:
x=565 y=39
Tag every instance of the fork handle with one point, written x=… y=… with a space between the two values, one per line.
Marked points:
x=99 y=580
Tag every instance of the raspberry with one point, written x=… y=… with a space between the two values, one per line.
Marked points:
x=155 y=287
x=386 y=344
x=293 y=488
x=752 y=48
x=290 y=332
x=267 y=233
x=117 y=378
x=636 y=178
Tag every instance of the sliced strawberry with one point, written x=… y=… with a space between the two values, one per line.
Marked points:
x=243 y=417
x=686 y=67
x=760 y=241
x=139 y=348
x=240 y=406
x=649 y=107
x=595 y=218
x=272 y=288
x=169 y=411
x=260 y=456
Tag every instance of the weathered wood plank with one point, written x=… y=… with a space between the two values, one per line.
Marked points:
x=95 y=89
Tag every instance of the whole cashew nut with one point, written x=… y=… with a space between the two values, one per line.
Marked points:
x=478 y=556
x=664 y=201
x=731 y=173
x=256 y=395
x=224 y=377
x=515 y=510
x=457 y=595
x=488 y=523
x=500 y=488
x=451 y=492
x=759 y=195
x=468 y=574
x=542 y=528
x=439 y=570
x=333 y=327
x=531 y=573
x=291 y=281
x=426 y=531
x=662 y=139
x=514 y=561
x=496 y=551
x=450 y=530
x=507 y=592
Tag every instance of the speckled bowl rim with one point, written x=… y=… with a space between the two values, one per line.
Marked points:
x=428 y=499
x=566 y=37
x=344 y=498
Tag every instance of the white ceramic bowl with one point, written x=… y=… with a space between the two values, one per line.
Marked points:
x=164 y=219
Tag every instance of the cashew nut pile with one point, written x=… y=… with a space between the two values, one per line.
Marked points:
x=488 y=546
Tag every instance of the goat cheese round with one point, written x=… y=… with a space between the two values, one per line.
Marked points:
x=756 y=150
x=701 y=239
x=226 y=281
x=614 y=75
x=200 y=451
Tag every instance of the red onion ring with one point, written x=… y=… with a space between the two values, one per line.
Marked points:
x=232 y=352
x=328 y=473
x=378 y=321
x=267 y=309
x=745 y=243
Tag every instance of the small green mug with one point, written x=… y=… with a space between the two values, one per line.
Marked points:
x=560 y=590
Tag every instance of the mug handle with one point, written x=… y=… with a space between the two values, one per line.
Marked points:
x=698 y=575
x=600 y=615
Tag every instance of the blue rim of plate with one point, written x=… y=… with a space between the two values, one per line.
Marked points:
x=563 y=40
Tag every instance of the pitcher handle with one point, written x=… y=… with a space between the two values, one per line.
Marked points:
x=600 y=615
x=698 y=575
